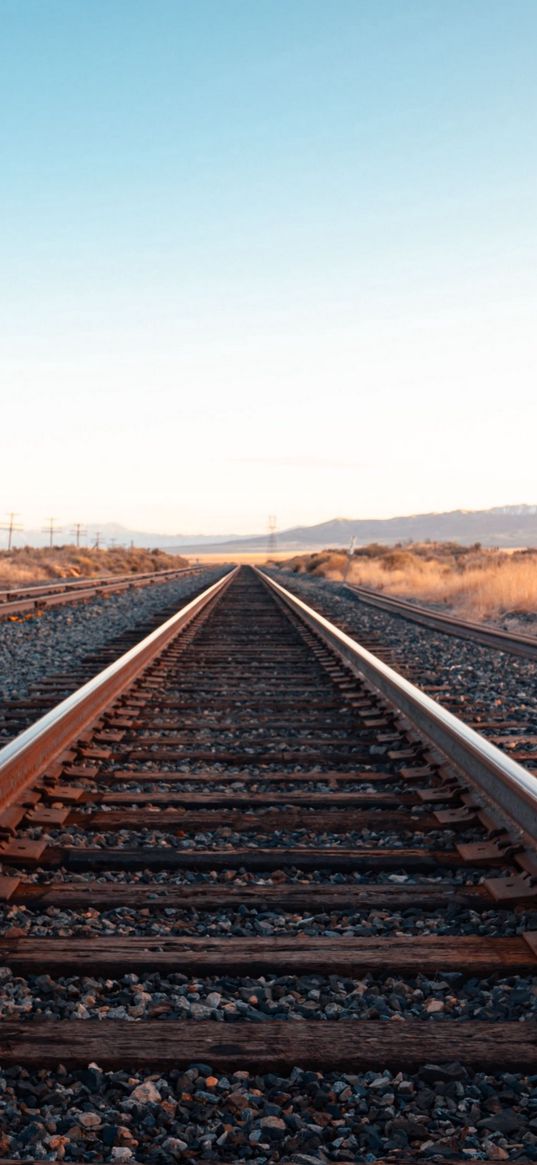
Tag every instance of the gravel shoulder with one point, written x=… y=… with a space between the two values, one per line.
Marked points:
x=60 y=638
x=501 y=685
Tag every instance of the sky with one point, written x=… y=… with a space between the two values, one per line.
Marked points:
x=266 y=258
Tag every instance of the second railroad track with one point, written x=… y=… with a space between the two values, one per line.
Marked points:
x=326 y=880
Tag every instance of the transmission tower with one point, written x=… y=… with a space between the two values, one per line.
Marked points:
x=97 y=543
x=79 y=531
x=271 y=544
x=51 y=530
x=11 y=526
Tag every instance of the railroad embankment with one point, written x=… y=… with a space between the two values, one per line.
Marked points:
x=472 y=582
x=30 y=564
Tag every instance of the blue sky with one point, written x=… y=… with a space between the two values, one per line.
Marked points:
x=266 y=257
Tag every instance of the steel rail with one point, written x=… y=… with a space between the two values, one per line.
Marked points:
x=521 y=645
x=505 y=785
x=19 y=597
x=27 y=757
x=100 y=580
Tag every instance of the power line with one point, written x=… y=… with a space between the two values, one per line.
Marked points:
x=271 y=545
x=51 y=530
x=79 y=531
x=11 y=526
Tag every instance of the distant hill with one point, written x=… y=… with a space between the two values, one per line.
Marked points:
x=504 y=526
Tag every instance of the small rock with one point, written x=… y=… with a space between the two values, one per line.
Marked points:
x=274 y=1127
x=146 y=1093
x=175 y=1146
x=90 y=1120
x=434 y=1005
x=507 y=1121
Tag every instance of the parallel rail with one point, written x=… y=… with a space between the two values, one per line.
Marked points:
x=506 y=785
x=515 y=644
x=31 y=753
x=18 y=601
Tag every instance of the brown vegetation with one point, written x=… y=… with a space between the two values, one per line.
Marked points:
x=473 y=582
x=28 y=564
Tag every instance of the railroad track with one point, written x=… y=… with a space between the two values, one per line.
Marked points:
x=524 y=646
x=28 y=600
x=42 y=692
x=493 y=693
x=255 y=844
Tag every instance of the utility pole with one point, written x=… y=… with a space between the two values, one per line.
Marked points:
x=97 y=543
x=350 y=552
x=51 y=530
x=11 y=526
x=271 y=545
x=78 y=531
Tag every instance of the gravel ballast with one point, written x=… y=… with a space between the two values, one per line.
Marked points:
x=480 y=679
x=227 y=838
x=305 y=1117
x=58 y=639
x=227 y=998
x=244 y=921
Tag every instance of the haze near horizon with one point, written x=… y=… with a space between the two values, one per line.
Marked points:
x=266 y=259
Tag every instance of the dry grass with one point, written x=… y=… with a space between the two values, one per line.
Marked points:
x=474 y=583
x=29 y=564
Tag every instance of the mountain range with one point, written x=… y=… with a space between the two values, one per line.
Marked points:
x=504 y=526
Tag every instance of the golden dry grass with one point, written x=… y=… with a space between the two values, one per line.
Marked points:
x=28 y=564
x=472 y=582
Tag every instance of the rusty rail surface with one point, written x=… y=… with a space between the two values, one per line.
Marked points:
x=506 y=785
x=28 y=756
x=521 y=645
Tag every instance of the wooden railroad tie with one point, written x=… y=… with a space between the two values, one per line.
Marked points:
x=267 y=776
x=26 y=853
x=233 y=799
x=275 y=1046
x=312 y=897
x=277 y=954
x=184 y=820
